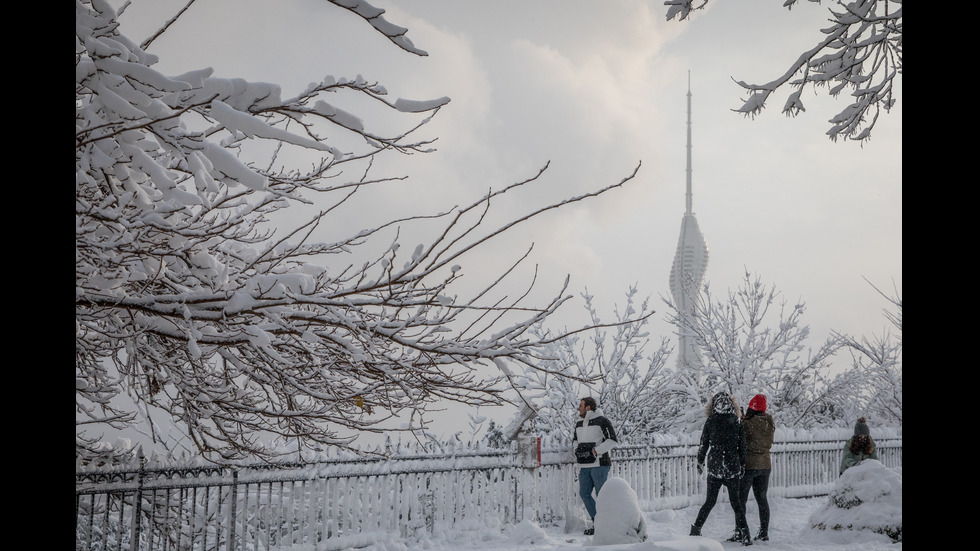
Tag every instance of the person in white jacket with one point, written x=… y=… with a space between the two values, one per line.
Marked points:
x=594 y=438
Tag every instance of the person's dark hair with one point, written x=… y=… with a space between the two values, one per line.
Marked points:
x=862 y=443
x=590 y=403
x=750 y=413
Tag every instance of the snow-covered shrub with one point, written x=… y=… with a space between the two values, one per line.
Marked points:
x=618 y=516
x=868 y=496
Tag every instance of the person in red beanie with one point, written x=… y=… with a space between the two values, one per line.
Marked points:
x=759 y=430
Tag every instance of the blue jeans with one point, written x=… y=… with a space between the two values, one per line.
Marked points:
x=589 y=478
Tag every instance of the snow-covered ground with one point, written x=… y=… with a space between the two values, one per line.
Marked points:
x=877 y=488
x=789 y=530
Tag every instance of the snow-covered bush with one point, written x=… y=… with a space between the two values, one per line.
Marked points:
x=867 y=496
x=618 y=516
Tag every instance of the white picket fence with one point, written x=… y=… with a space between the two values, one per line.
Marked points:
x=351 y=503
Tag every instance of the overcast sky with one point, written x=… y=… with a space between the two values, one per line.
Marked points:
x=596 y=88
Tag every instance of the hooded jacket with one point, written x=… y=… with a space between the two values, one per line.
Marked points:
x=723 y=439
x=759 y=430
x=595 y=428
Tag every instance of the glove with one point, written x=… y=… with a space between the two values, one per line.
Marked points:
x=700 y=468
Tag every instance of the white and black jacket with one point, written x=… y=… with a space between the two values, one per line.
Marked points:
x=597 y=430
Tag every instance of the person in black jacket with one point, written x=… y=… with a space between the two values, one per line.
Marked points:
x=723 y=443
x=594 y=438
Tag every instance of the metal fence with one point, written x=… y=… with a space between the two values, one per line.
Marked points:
x=344 y=504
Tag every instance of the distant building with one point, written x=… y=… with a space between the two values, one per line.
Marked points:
x=690 y=265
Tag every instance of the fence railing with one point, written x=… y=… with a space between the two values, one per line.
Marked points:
x=343 y=504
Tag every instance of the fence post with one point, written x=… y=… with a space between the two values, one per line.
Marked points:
x=517 y=498
x=428 y=509
x=138 y=504
x=529 y=457
x=234 y=510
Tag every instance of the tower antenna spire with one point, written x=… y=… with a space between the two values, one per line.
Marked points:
x=689 y=197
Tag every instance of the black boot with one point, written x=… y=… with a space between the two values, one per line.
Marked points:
x=695 y=530
x=746 y=538
x=763 y=535
x=736 y=535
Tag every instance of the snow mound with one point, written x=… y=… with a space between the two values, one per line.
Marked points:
x=687 y=543
x=618 y=517
x=664 y=515
x=527 y=532
x=868 y=496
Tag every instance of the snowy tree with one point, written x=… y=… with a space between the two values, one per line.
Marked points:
x=860 y=52
x=200 y=293
x=746 y=355
x=877 y=363
x=612 y=364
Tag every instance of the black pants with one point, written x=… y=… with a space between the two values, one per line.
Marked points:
x=714 y=486
x=758 y=481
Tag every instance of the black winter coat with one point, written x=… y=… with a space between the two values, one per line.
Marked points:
x=723 y=442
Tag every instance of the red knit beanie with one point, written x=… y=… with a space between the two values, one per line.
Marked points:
x=758 y=402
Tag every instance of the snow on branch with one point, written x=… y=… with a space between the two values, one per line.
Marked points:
x=374 y=16
x=861 y=51
x=201 y=305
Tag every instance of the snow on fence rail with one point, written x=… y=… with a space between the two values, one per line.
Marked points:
x=350 y=503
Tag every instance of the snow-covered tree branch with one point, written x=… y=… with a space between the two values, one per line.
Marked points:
x=199 y=297
x=878 y=360
x=860 y=53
